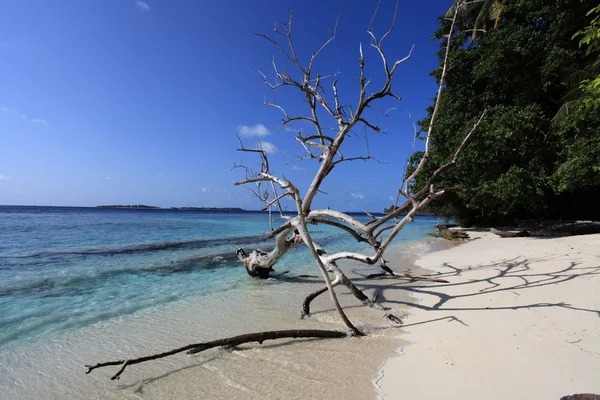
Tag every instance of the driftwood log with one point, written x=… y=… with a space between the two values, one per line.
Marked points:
x=438 y=226
x=232 y=341
x=510 y=234
x=582 y=396
x=545 y=228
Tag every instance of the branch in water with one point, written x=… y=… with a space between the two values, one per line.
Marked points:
x=232 y=341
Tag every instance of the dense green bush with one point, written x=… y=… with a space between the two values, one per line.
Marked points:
x=537 y=154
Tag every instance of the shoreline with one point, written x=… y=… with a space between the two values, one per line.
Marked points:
x=293 y=369
x=519 y=320
x=432 y=354
x=434 y=245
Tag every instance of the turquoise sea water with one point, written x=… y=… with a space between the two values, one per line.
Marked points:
x=65 y=268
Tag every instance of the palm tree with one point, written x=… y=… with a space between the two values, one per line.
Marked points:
x=484 y=12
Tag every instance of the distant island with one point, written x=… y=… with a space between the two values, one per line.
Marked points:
x=127 y=206
x=143 y=206
x=206 y=208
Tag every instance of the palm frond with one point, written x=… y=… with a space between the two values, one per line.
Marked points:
x=483 y=16
x=579 y=75
x=450 y=11
x=562 y=112
x=497 y=6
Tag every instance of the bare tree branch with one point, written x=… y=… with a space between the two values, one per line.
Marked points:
x=259 y=337
x=435 y=109
x=341 y=226
x=275 y=200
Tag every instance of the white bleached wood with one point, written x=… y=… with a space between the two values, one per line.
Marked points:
x=379 y=232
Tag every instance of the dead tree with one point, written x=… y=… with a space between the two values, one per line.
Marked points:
x=325 y=148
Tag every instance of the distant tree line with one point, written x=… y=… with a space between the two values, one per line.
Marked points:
x=534 y=65
x=206 y=208
x=126 y=206
x=143 y=206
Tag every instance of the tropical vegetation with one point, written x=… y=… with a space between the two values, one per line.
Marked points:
x=533 y=65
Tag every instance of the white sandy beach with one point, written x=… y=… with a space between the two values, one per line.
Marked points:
x=520 y=319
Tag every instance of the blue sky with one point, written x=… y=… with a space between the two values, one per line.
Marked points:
x=128 y=102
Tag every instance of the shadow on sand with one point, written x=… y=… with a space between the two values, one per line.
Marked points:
x=514 y=275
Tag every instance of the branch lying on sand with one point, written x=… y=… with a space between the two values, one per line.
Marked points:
x=232 y=341
x=510 y=234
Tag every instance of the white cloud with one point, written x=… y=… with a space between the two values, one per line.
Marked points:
x=161 y=174
x=256 y=130
x=24 y=117
x=295 y=168
x=5 y=178
x=357 y=195
x=108 y=178
x=391 y=198
x=266 y=146
x=142 y=5
x=204 y=190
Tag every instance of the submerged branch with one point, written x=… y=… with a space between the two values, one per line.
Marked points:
x=232 y=341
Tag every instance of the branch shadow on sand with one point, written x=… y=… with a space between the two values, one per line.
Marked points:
x=513 y=275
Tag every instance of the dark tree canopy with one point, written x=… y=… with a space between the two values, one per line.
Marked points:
x=528 y=160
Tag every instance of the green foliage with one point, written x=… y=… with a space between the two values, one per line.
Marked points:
x=584 y=94
x=483 y=13
x=590 y=36
x=591 y=39
x=520 y=164
x=390 y=209
x=578 y=164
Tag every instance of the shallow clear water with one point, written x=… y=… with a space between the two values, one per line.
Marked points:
x=62 y=269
